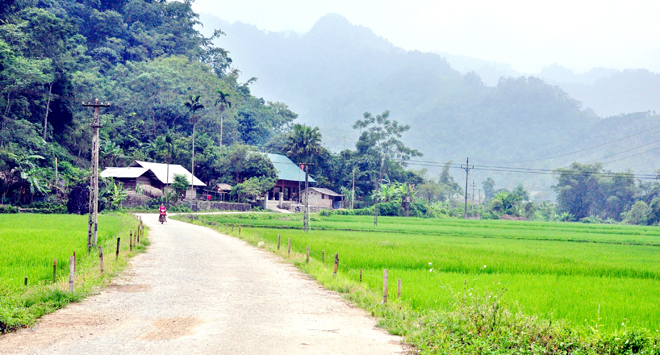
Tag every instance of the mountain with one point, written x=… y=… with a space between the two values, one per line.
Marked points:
x=338 y=70
x=489 y=72
x=609 y=92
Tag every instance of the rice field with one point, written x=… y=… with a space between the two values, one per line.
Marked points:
x=605 y=275
x=29 y=243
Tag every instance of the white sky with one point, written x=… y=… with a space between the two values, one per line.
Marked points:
x=528 y=34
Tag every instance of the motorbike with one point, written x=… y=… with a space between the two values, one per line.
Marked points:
x=161 y=219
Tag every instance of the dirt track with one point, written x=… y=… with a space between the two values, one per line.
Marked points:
x=200 y=292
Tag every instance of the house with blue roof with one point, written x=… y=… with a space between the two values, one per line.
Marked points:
x=290 y=179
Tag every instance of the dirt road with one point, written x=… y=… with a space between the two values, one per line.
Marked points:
x=200 y=292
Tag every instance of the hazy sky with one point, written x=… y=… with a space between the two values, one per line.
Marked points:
x=526 y=34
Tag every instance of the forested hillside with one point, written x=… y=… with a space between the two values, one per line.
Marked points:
x=144 y=57
x=337 y=70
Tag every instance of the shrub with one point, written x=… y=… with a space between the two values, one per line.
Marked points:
x=8 y=209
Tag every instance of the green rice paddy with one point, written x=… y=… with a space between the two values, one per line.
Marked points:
x=605 y=275
x=29 y=243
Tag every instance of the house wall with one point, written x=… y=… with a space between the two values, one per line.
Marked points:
x=127 y=183
x=318 y=199
x=289 y=188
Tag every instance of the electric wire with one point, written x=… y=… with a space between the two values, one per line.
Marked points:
x=587 y=149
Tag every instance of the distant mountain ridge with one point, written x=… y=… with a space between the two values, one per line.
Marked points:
x=336 y=71
x=609 y=92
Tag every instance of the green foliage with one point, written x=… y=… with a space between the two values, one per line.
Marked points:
x=38 y=239
x=144 y=57
x=454 y=272
x=303 y=143
x=583 y=191
x=253 y=188
x=180 y=185
x=119 y=195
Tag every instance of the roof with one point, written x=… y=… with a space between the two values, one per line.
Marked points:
x=124 y=173
x=160 y=170
x=324 y=191
x=222 y=187
x=286 y=169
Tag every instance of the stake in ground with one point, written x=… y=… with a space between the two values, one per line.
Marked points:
x=584 y=274
x=30 y=243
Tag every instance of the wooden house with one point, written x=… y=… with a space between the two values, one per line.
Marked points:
x=160 y=176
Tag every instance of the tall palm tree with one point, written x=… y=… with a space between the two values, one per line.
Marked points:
x=303 y=143
x=223 y=104
x=193 y=106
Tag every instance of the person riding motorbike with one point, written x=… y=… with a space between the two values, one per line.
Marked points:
x=163 y=213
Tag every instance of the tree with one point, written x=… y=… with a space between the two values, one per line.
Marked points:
x=253 y=188
x=638 y=214
x=578 y=189
x=223 y=104
x=180 y=185
x=382 y=136
x=303 y=143
x=489 y=188
x=429 y=190
x=449 y=188
x=193 y=106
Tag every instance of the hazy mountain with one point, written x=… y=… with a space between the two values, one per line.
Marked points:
x=612 y=92
x=490 y=72
x=336 y=71
x=609 y=92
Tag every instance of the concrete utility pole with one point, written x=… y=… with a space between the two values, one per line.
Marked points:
x=306 y=214
x=408 y=198
x=353 y=191
x=473 y=185
x=479 y=196
x=94 y=179
x=467 y=169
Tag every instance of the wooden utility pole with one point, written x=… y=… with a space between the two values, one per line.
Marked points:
x=467 y=169
x=94 y=179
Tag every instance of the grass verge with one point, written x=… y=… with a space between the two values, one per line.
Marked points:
x=30 y=243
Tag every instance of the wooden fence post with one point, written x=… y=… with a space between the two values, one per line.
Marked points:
x=323 y=256
x=289 y=247
x=232 y=227
x=72 y=267
x=130 y=241
x=74 y=261
x=54 y=270
x=279 y=239
x=117 y=253
x=239 y=229
x=334 y=273
x=26 y=280
x=101 y=257
x=138 y=235
x=398 y=288
x=384 y=285
x=307 y=260
x=360 y=274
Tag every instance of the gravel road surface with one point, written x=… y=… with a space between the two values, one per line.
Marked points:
x=197 y=291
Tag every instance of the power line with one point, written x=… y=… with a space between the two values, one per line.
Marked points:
x=505 y=169
x=586 y=149
x=625 y=151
